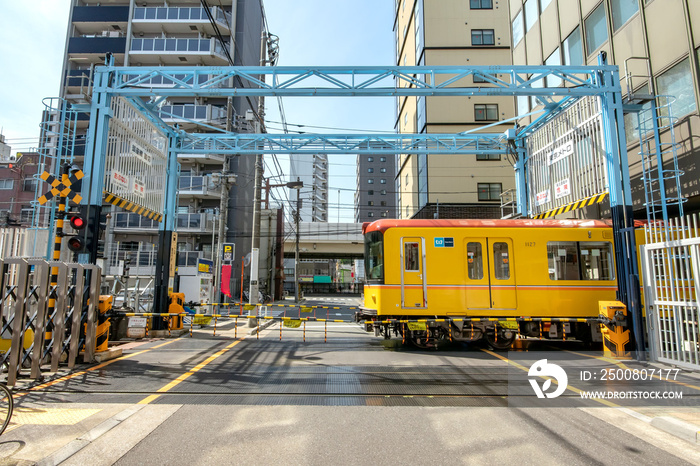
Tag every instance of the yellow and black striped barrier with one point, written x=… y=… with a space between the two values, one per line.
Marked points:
x=113 y=199
x=589 y=201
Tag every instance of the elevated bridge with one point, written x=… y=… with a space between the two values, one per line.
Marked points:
x=326 y=241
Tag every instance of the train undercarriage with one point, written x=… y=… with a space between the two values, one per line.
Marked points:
x=431 y=332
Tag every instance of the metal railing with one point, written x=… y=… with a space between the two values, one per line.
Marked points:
x=158 y=14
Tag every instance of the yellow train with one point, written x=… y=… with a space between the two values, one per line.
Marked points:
x=470 y=273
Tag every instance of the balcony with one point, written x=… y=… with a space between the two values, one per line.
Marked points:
x=171 y=51
x=96 y=44
x=190 y=258
x=127 y=222
x=199 y=186
x=180 y=20
x=100 y=14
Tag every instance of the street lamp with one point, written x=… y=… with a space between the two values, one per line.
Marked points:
x=296 y=185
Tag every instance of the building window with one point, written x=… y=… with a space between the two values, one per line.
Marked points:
x=596 y=29
x=406 y=179
x=370 y=170
x=544 y=4
x=383 y=192
x=678 y=82
x=488 y=156
x=573 y=50
x=531 y=14
x=405 y=119
x=382 y=181
x=489 y=191
x=384 y=214
x=370 y=203
x=382 y=170
x=370 y=181
x=481 y=4
x=370 y=192
x=622 y=11
x=486 y=112
x=7 y=184
x=29 y=184
x=370 y=214
x=518 y=29
x=382 y=159
x=553 y=60
x=25 y=215
x=482 y=37
x=370 y=159
x=383 y=203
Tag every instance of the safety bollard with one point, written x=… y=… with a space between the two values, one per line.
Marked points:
x=304 y=331
x=215 y=320
x=191 y=323
x=325 y=331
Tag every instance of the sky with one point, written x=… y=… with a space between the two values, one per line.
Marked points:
x=311 y=32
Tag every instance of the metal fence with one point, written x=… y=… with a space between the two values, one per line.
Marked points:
x=671 y=276
x=48 y=314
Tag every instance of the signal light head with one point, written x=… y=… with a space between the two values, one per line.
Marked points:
x=75 y=243
x=77 y=221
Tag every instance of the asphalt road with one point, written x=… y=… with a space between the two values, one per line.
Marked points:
x=316 y=394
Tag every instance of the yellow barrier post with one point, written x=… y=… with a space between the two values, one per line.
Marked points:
x=216 y=318
x=235 y=327
x=102 y=336
x=304 y=331
x=191 y=324
x=616 y=339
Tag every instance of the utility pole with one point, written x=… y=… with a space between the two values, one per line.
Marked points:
x=224 y=184
x=297 y=215
x=255 y=247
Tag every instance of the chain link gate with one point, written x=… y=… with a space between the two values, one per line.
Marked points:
x=37 y=338
x=671 y=278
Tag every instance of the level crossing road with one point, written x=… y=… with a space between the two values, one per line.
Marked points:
x=319 y=393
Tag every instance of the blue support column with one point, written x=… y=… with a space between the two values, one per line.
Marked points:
x=95 y=154
x=165 y=233
x=621 y=210
x=521 y=177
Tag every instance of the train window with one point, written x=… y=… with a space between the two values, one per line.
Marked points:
x=563 y=260
x=501 y=261
x=374 y=257
x=411 y=259
x=587 y=260
x=596 y=261
x=475 y=263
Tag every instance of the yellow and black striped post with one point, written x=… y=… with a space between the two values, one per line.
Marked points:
x=58 y=239
x=103 y=324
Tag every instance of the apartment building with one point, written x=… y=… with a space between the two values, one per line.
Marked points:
x=313 y=172
x=656 y=44
x=183 y=33
x=452 y=32
x=375 y=197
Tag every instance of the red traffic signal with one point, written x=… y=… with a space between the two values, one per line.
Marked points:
x=76 y=243
x=77 y=221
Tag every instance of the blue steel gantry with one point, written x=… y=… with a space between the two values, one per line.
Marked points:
x=148 y=87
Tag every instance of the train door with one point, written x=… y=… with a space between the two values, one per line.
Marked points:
x=502 y=274
x=490 y=274
x=478 y=290
x=413 y=279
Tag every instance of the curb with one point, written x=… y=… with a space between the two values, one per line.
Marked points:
x=680 y=429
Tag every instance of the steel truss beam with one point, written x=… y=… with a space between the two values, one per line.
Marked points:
x=250 y=143
x=357 y=81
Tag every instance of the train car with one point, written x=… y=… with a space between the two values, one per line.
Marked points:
x=462 y=270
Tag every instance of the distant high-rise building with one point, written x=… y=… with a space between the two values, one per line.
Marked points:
x=462 y=33
x=156 y=33
x=375 y=197
x=313 y=172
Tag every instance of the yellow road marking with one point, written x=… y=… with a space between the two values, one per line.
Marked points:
x=51 y=416
x=568 y=387
x=94 y=368
x=181 y=378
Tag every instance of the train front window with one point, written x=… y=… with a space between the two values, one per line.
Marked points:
x=475 y=263
x=585 y=260
x=501 y=261
x=374 y=257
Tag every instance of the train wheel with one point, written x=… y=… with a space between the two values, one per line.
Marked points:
x=505 y=338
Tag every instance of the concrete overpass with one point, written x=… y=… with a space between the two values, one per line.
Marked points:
x=325 y=241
